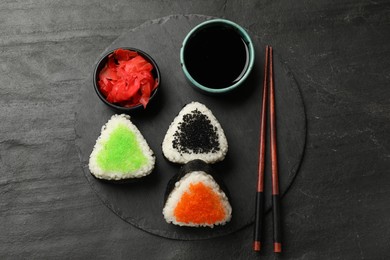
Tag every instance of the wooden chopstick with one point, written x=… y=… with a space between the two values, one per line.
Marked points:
x=260 y=181
x=268 y=76
x=274 y=162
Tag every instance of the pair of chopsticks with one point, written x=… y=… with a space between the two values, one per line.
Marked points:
x=268 y=78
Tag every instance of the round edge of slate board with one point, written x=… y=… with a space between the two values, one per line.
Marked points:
x=140 y=203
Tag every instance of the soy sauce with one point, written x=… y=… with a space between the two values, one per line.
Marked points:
x=216 y=56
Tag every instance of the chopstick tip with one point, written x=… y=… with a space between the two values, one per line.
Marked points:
x=256 y=246
x=277 y=247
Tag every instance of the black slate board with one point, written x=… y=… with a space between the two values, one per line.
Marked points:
x=140 y=203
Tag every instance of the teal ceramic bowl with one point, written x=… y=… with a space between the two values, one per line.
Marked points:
x=217 y=56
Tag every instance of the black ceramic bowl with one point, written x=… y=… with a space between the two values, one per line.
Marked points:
x=116 y=107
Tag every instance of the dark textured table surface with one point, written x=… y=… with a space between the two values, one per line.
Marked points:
x=337 y=208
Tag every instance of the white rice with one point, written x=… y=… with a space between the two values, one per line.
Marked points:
x=107 y=129
x=183 y=186
x=173 y=155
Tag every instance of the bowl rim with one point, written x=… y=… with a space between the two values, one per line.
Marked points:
x=95 y=75
x=247 y=40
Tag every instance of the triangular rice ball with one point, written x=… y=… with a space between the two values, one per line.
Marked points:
x=121 y=152
x=195 y=134
x=196 y=200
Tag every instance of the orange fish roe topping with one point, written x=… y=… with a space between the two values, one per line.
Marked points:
x=199 y=205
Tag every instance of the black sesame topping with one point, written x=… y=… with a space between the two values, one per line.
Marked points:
x=196 y=134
